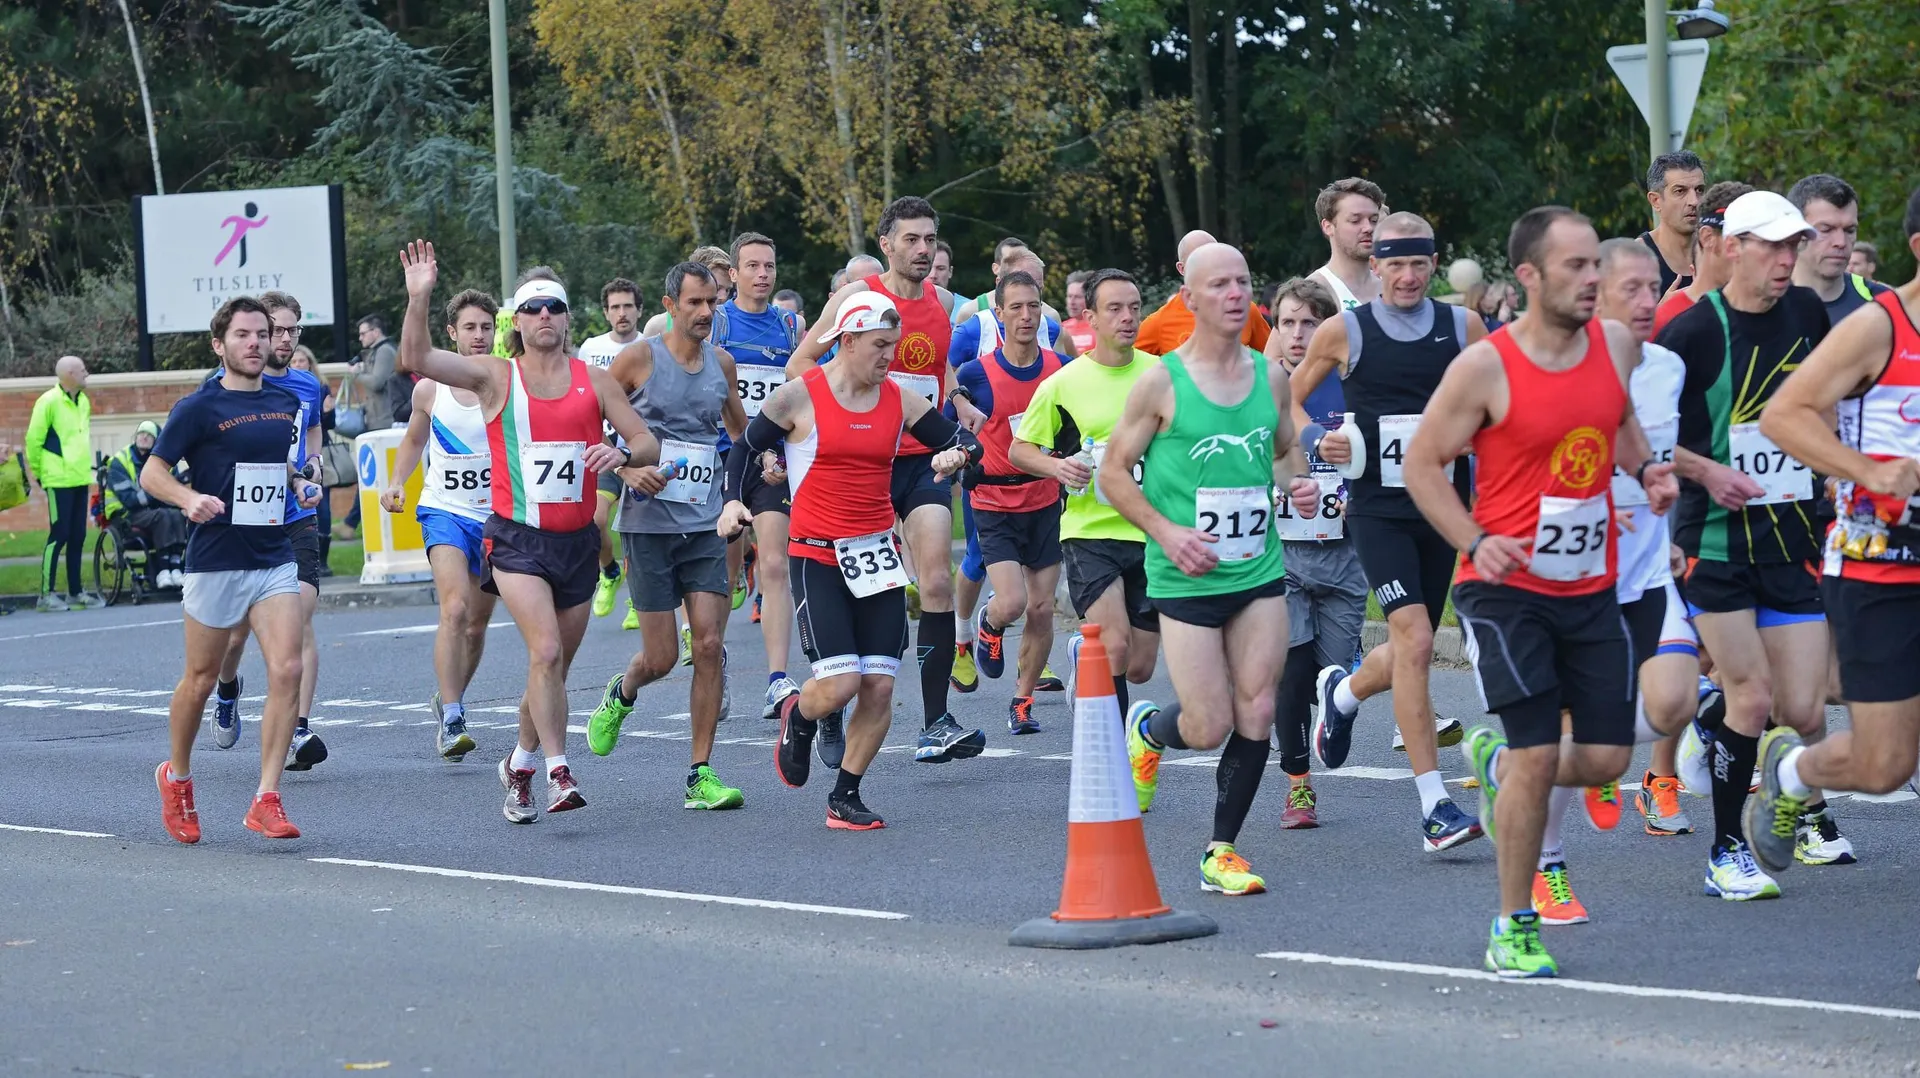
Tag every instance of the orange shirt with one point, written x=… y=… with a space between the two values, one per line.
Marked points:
x=1169 y=327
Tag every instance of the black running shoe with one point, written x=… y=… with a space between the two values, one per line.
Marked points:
x=1332 y=734
x=944 y=740
x=833 y=742
x=1446 y=827
x=849 y=813
x=793 y=757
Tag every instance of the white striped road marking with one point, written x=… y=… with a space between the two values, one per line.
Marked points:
x=615 y=889
x=95 y=629
x=409 y=630
x=1601 y=987
x=53 y=831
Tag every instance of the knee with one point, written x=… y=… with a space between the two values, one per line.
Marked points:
x=706 y=646
x=936 y=585
x=839 y=689
x=199 y=683
x=772 y=573
x=545 y=652
x=1039 y=610
x=283 y=671
x=1412 y=638
x=455 y=610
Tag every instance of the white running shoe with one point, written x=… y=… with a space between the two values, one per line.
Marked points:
x=776 y=692
x=1691 y=761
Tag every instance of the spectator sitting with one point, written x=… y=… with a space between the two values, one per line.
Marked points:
x=164 y=526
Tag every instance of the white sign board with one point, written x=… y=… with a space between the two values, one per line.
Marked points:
x=199 y=250
x=1686 y=66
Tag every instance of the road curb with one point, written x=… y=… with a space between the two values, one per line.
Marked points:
x=354 y=596
x=1449 y=649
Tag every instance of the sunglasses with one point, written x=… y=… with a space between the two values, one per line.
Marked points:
x=543 y=303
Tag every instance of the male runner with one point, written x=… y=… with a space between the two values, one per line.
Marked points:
x=1675 y=182
x=922 y=495
x=1390 y=355
x=456 y=498
x=684 y=388
x=1349 y=211
x=1868 y=368
x=1746 y=524
x=965 y=309
x=1105 y=555
x=1831 y=207
x=1543 y=406
x=303 y=530
x=1710 y=268
x=1018 y=515
x=1212 y=420
x=1167 y=328
x=1326 y=588
x=545 y=413
x=234 y=434
x=843 y=425
x=943 y=273
x=976 y=335
x=719 y=264
x=1077 y=327
x=620 y=303
x=1865 y=260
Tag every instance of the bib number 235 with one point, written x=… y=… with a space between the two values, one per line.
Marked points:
x=1571 y=542
x=871 y=564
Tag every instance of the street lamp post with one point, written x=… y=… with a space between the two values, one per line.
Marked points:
x=1659 y=124
x=503 y=147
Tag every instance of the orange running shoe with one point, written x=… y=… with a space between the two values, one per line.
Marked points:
x=1553 y=897
x=1603 y=805
x=1659 y=803
x=269 y=817
x=177 y=813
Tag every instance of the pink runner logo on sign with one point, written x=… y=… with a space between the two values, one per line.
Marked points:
x=241 y=225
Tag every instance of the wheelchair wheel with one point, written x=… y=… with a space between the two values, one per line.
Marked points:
x=111 y=576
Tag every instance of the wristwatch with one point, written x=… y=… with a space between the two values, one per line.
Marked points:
x=960 y=391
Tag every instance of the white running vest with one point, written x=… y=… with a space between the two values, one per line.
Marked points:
x=457 y=468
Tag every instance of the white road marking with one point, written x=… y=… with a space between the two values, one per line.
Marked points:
x=95 y=629
x=615 y=889
x=408 y=630
x=53 y=831
x=1601 y=987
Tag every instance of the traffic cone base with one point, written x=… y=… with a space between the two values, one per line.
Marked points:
x=1121 y=932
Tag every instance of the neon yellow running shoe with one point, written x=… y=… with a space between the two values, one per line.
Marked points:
x=1515 y=951
x=1227 y=872
x=686 y=645
x=965 y=676
x=1049 y=681
x=1144 y=757
x=603 y=729
x=708 y=792
x=605 y=590
x=632 y=621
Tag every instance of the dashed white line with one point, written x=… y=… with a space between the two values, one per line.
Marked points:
x=94 y=629
x=53 y=831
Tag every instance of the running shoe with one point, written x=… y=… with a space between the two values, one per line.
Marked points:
x=740 y=593
x=1073 y=667
x=226 y=715
x=1553 y=897
x=1020 y=718
x=1817 y=840
x=52 y=604
x=947 y=740
x=1515 y=952
x=632 y=621
x=1659 y=801
x=87 y=600
x=708 y=792
x=1694 y=756
x=605 y=590
x=726 y=685
x=1332 y=733
x=519 y=784
x=965 y=676
x=1302 y=810
x=1603 y=805
x=452 y=741
x=1143 y=757
x=269 y=817
x=913 y=600
x=1049 y=681
x=603 y=727
x=563 y=793
x=1732 y=874
x=990 y=649
x=775 y=692
x=1771 y=816
x=1447 y=826
x=686 y=645
x=177 y=813
x=832 y=741
x=849 y=813
x=755 y=616
x=1483 y=744
x=1446 y=734
x=305 y=750
x=1224 y=871
x=793 y=756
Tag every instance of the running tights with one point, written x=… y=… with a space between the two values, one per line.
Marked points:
x=1293 y=708
x=66 y=533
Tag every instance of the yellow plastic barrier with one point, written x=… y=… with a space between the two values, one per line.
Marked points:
x=395 y=552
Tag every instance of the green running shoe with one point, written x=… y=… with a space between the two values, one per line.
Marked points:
x=708 y=792
x=1771 y=817
x=686 y=645
x=1144 y=759
x=1228 y=873
x=632 y=621
x=603 y=729
x=605 y=590
x=1516 y=952
x=1480 y=747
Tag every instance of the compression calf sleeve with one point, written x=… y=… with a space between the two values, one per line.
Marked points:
x=1734 y=754
x=1292 y=708
x=936 y=662
x=1243 y=762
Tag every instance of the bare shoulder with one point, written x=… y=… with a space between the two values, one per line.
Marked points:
x=1477 y=366
x=785 y=402
x=726 y=361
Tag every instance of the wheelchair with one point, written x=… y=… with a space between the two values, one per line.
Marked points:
x=124 y=563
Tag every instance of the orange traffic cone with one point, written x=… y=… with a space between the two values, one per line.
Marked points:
x=1109 y=897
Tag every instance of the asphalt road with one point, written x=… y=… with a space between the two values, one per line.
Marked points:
x=593 y=941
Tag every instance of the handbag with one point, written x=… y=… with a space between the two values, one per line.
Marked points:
x=336 y=461
x=13 y=481
x=349 y=419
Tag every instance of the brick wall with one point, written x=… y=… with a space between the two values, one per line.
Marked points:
x=120 y=402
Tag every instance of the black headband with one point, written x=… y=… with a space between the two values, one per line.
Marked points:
x=1403 y=247
x=1714 y=219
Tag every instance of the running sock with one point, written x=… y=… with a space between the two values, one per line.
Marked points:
x=1733 y=757
x=522 y=760
x=1433 y=790
x=452 y=713
x=611 y=570
x=228 y=690
x=171 y=777
x=775 y=675
x=1343 y=697
x=626 y=698
x=1557 y=804
x=1292 y=709
x=555 y=763
x=300 y=725
x=1789 y=775
x=1243 y=762
x=693 y=773
x=1120 y=691
x=1162 y=728
x=936 y=662
x=846 y=785
x=963 y=629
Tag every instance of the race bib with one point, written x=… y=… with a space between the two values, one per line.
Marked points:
x=259 y=495
x=924 y=384
x=756 y=382
x=1753 y=454
x=1326 y=522
x=465 y=479
x=1661 y=437
x=1238 y=516
x=694 y=482
x=871 y=564
x=1099 y=456
x=1396 y=433
x=1571 y=541
x=1013 y=423
x=553 y=472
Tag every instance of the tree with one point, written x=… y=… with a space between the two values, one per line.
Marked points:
x=42 y=123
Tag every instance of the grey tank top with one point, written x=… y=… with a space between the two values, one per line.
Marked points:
x=680 y=406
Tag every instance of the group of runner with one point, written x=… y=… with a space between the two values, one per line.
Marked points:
x=1632 y=485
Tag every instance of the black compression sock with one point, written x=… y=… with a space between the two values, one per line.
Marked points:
x=611 y=570
x=1292 y=708
x=936 y=662
x=1733 y=757
x=847 y=785
x=1163 y=728
x=693 y=773
x=228 y=690
x=1713 y=717
x=626 y=696
x=1242 y=764
x=1120 y=691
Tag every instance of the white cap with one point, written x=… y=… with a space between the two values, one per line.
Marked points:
x=536 y=288
x=861 y=313
x=1766 y=215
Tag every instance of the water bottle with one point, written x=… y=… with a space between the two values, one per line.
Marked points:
x=1085 y=456
x=672 y=471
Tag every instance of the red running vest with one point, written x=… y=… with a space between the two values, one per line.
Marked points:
x=925 y=333
x=841 y=475
x=1010 y=399
x=535 y=439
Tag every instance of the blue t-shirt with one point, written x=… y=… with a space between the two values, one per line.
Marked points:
x=966 y=339
x=212 y=430
x=762 y=339
x=312 y=394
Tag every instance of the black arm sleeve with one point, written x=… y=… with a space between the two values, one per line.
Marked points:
x=937 y=432
x=762 y=434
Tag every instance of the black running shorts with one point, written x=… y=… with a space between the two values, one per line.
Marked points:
x=568 y=561
x=839 y=633
x=1406 y=562
x=1876 y=631
x=1535 y=654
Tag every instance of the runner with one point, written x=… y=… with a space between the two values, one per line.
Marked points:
x=456 y=498
x=1167 y=328
x=1077 y=327
x=1746 y=524
x=843 y=425
x=1865 y=260
x=1326 y=588
x=303 y=530
x=719 y=264
x=1867 y=368
x=620 y=303
x=1710 y=268
x=965 y=309
x=544 y=414
x=1018 y=515
x=922 y=496
x=234 y=433
x=1390 y=354
x=684 y=388
x=1214 y=571
x=1831 y=207
x=1543 y=406
x=1349 y=212
x=1675 y=183
x=942 y=273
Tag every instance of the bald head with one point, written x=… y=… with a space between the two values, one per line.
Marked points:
x=862 y=266
x=72 y=372
x=1190 y=243
x=1211 y=257
x=1218 y=290
x=1403 y=224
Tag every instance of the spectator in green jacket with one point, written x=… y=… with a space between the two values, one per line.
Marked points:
x=60 y=454
x=163 y=525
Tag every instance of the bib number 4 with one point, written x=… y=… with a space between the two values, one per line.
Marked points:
x=1396 y=433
